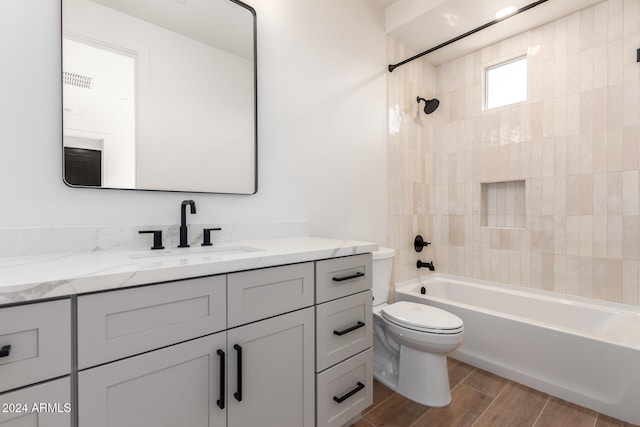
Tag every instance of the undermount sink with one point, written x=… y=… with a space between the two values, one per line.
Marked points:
x=213 y=252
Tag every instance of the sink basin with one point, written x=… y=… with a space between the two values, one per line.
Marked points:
x=209 y=252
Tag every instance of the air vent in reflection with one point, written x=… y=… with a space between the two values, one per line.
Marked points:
x=76 y=80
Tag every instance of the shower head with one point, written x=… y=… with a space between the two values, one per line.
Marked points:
x=430 y=105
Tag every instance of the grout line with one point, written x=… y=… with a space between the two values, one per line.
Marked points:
x=595 y=422
x=542 y=410
x=491 y=404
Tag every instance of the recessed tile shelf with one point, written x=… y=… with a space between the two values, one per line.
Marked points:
x=503 y=204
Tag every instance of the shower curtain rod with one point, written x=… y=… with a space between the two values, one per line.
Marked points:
x=468 y=33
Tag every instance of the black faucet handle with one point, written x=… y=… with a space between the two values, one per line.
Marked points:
x=157 y=238
x=419 y=243
x=206 y=235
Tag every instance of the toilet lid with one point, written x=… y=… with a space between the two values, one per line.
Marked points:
x=422 y=317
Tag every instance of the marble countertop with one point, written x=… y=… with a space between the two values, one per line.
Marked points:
x=26 y=278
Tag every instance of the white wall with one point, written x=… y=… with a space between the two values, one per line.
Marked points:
x=322 y=149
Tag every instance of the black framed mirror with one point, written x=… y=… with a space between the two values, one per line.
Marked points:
x=160 y=95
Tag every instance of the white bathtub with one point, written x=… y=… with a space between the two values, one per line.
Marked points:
x=581 y=350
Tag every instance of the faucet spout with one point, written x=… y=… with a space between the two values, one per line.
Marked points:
x=184 y=240
x=428 y=265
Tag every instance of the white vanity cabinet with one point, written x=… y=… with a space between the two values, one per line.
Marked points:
x=166 y=355
x=35 y=362
x=344 y=336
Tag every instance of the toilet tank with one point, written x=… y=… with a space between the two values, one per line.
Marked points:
x=382 y=269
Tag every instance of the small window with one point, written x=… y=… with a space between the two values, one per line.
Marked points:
x=506 y=83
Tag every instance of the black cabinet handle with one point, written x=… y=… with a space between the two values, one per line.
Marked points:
x=222 y=384
x=346 y=331
x=238 y=394
x=359 y=387
x=5 y=350
x=351 y=276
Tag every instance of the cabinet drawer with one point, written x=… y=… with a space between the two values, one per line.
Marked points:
x=47 y=405
x=343 y=328
x=345 y=390
x=339 y=277
x=258 y=294
x=40 y=338
x=121 y=323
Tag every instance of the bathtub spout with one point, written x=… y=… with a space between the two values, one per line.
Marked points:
x=428 y=265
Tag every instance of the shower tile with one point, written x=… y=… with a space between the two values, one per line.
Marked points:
x=630 y=227
x=614 y=236
x=560 y=273
x=630 y=281
x=573 y=275
x=600 y=150
x=600 y=236
x=599 y=272
x=614 y=193
x=586 y=277
x=630 y=148
x=630 y=192
x=613 y=284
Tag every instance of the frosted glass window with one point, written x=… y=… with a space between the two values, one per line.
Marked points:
x=506 y=83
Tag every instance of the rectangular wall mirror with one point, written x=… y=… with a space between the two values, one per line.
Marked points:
x=159 y=95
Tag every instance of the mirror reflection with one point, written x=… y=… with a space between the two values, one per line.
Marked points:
x=159 y=95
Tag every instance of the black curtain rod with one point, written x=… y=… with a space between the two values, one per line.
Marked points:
x=468 y=33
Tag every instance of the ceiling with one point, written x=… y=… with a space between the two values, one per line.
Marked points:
x=424 y=24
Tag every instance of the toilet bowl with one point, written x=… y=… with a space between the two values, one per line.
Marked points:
x=411 y=341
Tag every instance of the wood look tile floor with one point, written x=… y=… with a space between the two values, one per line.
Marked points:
x=481 y=399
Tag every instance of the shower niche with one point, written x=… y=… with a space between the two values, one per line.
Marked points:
x=503 y=204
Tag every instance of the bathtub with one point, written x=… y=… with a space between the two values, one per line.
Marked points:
x=578 y=349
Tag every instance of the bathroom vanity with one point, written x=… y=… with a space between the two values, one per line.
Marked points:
x=276 y=336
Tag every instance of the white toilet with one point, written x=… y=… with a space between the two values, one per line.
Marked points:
x=411 y=341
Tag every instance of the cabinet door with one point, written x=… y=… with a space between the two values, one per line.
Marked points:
x=45 y=405
x=271 y=379
x=175 y=386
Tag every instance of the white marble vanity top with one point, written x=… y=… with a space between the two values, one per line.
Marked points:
x=25 y=278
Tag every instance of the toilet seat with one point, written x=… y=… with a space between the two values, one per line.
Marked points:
x=422 y=318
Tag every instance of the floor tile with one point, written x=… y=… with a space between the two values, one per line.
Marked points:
x=486 y=382
x=380 y=393
x=361 y=423
x=517 y=405
x=458 y=371
x=561 y=413
x=466 y=407
x=395 y=411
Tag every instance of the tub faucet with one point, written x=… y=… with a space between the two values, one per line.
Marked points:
x=184 y=240
x=428 y=265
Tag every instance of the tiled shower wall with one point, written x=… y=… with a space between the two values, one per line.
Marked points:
x=575 y=143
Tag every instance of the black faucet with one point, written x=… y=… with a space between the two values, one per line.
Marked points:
x=183 y=222
x=428 y=265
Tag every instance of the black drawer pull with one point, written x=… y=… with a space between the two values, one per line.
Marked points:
x=5 y=350
x=220 y=401
x=238 y=394
x=346 y=331
x=351 y=276
x=348 y=395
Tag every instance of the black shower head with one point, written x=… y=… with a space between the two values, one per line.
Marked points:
x=430 y=105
